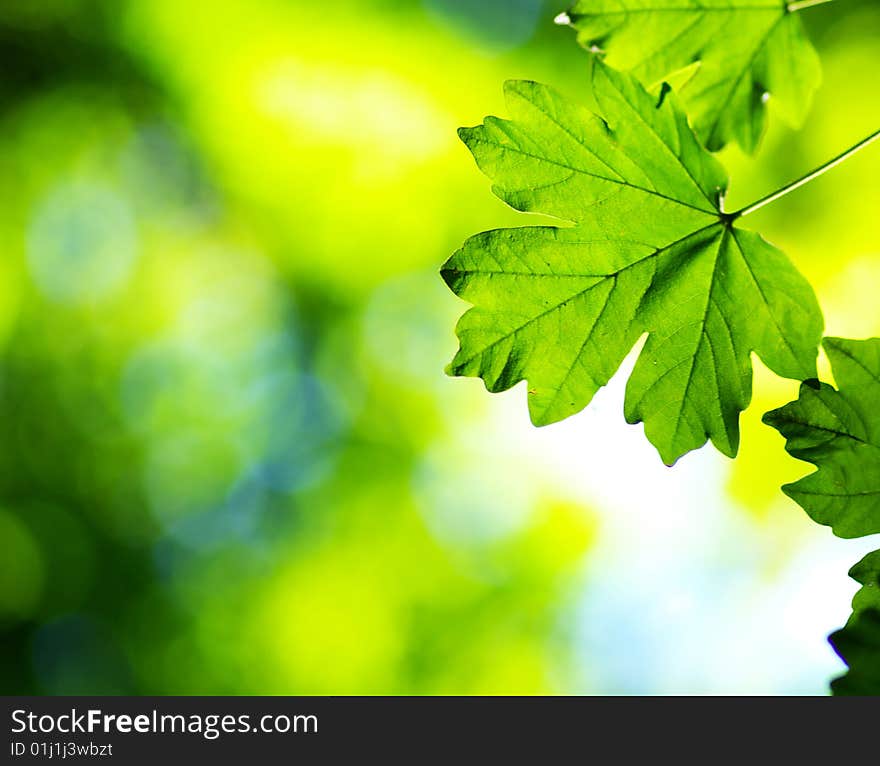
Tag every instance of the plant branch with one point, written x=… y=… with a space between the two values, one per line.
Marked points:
x=809 y=177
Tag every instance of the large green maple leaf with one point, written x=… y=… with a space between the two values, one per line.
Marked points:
x=649 y=251
x=838 y=431
x=730 y=56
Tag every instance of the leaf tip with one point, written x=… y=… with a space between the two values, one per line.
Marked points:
x=464 y=134
x=451 y=276
x=791 y=490
x=453 y=370
x=772 y=418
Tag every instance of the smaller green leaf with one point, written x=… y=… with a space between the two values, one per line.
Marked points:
x=838 y=431
x=858 y=643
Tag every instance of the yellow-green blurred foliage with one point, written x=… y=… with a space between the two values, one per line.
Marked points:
x=223 y=339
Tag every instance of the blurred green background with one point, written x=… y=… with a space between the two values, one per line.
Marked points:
x=230 y=462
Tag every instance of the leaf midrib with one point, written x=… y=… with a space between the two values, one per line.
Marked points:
x=703 y=336
x=776 y=8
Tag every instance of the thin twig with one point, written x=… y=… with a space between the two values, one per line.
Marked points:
x=809 y=177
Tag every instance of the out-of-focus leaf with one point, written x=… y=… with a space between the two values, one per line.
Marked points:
x=649 y=251
x=738 y=54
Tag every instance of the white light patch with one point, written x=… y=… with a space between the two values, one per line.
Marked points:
x=684 y=592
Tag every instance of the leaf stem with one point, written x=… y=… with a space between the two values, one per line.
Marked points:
x=809 y=177
x=799 y=6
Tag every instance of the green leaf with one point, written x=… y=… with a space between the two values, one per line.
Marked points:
x=838 y=432
x=742 y=49
x=648 y=251
x=858 y=643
